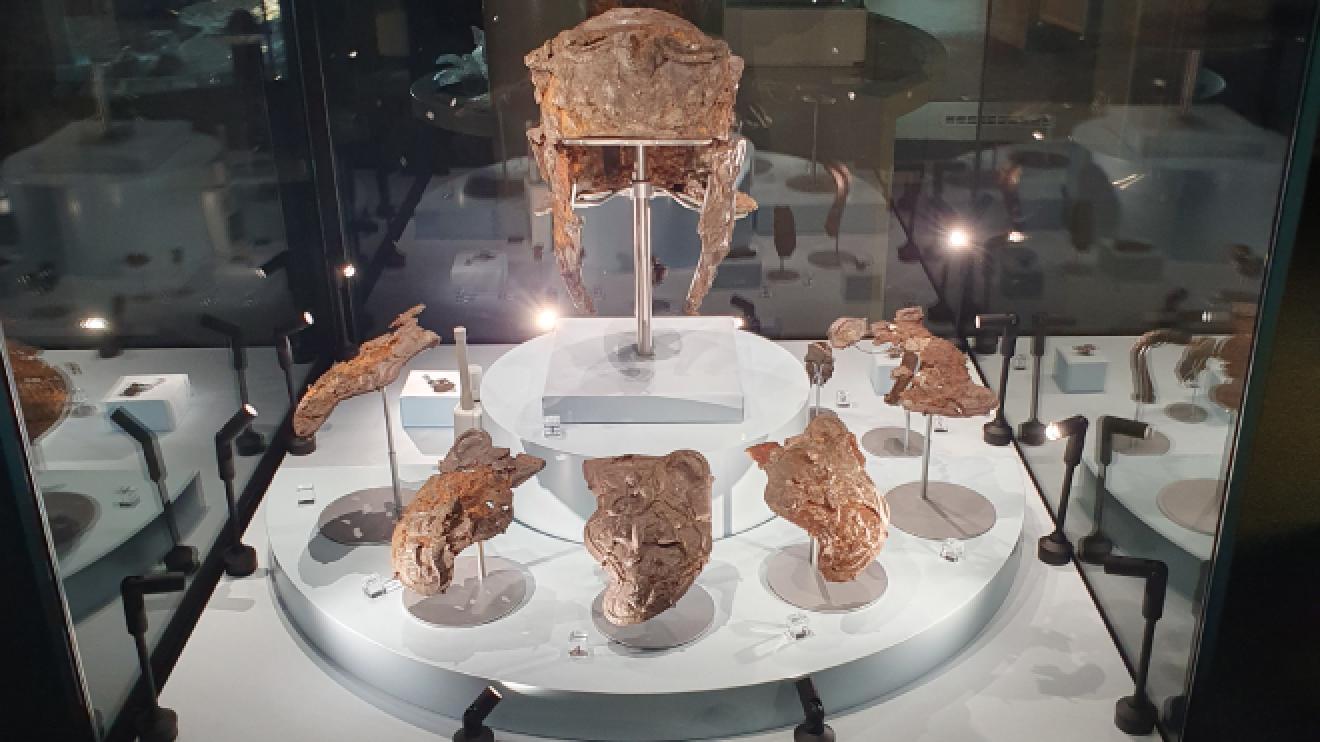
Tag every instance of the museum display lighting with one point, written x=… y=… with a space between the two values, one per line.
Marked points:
x=959 y=239
x=240 y=559
x=95 y=324
x=474 y=718
x=546 y=319
x=1094 y=547
x=998 y=432
x=1055 y=548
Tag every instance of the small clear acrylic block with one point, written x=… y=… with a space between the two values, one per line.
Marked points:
x=306 y=494
x=376 y=586
x=127 y=496
x=841 y=399
x=953 y=550
x=551 y=427
x=799 y=626
x=577 y=645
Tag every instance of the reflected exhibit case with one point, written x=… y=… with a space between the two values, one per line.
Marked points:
x=656 y=370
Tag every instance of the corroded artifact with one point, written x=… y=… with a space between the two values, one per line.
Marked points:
x=1195 y=357
x=819 y=362
x=932 y=379
x=470 y=500
x=377 y=364
x=1143 y=388
x=818 y=481
x=638 y=73
x=651 y=530
x=845 y=332
x=43 y=394
x=1235 y=352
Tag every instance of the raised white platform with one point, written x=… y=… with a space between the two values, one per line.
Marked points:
x=595 y=374
x=734 y=679
x=557 y=502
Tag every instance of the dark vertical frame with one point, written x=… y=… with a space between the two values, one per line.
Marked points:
x=1256 y=664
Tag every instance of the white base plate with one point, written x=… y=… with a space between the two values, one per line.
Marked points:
x=596 y=376
x=791 y=576
x=691 y=616
x=469 y=601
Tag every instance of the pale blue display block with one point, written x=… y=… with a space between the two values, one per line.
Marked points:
x=1075 y=373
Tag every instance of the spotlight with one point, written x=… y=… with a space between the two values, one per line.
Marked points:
x=1017 y=237
x=240 y=559
x=1136 y=714
x=739 y=323
x=296 y=444
x=998 y=432
x=474 y=719
x=155 y=723
x=959 y=238
x=1055 y=548
x=272 y=266
x=1038 y=135
x=546 y=319
x=94 y=323
x=1095 y=546
x=309 y=319
x=349 y=270
x=813 y=727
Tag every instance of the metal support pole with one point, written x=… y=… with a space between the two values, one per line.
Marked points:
x=481 y=562
x=1035 y=387
x=925 y=459
x=394 y=460
x=813 y=553
x=641 y=198
x=907 y=430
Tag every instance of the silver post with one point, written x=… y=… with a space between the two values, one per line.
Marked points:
x=815 y=125
x=907 y=430
x=641 y=197
x=394 y=460
x=813 y=552
x=925 y=460
x=481 y=562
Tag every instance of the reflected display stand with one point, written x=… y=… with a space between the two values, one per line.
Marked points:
x=483 y=589
x=690 y=618
x=793 y=575
x=367 y=516
x=938 y=510
x=1193 y=504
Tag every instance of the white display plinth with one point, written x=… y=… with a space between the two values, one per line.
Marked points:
x=596 y=376
x=421 y=406
x=558 y=502
x=159 y=404
x=1075 y=373
x=882 y=370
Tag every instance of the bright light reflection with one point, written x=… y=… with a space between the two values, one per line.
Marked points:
x=739 y=322
x=546 y=319
x=1017 y=237
x=959 y=238
x=94 y=323
x=307 y=317
x=1052 y=432
x=349 y=270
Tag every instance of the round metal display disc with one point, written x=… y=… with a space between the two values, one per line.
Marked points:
x=790 y=575
x=1192 y=503
x=69 y=515
x=691 y=617
x=470 y=601
x=947 y=511
x=887 y=442
x=1157 y=444
x=821 y=182
x=362 y=517
x=1186 y=412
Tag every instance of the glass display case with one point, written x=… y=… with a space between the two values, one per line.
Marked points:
x=643 y=370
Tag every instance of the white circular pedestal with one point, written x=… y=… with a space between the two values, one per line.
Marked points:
x=947 y=511
x=362 y=517
x=735 y=678
x=1193 y=503
x=470 y=600
x=557 y=501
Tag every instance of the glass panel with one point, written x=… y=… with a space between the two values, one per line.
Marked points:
x=138 y=193
x=1141 y=213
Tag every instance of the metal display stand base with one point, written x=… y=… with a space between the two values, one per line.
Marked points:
x=947 y=511
x=1192 y=503
x=790 y=575
x=1187 y=412
x=687 y=621
x=887 y=442
x=363 y=517
x=472 y=600
x=1157 y=444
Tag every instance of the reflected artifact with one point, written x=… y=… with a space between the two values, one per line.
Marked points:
x=1143 y=388
x=846 y=332
x=470 y=500
x=43 y=394
x=1235 y=352
x=933 y=377
x=1195 y=357
x=818 y=481
x=641 y=74
x=651 y=530
x=819 y=362
x=377 y=364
